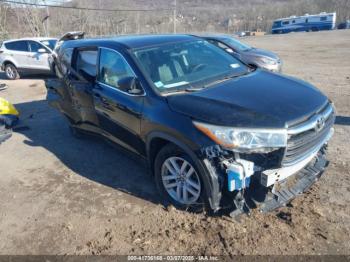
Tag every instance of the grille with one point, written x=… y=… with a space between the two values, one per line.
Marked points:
x=309 y=136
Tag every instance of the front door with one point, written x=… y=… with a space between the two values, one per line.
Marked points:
x=37 y=60
x=119 y=112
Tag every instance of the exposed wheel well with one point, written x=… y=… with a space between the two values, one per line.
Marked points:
x=7 y=63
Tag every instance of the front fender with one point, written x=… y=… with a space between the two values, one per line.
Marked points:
x=208 y=171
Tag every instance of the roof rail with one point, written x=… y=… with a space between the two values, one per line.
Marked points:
x=72 y=36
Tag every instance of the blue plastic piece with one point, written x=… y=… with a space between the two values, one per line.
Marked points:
x=236 y=180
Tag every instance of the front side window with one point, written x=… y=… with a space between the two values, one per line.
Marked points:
x=113 y=67
x=18 y=46
x=34 y=46
x=187 y=64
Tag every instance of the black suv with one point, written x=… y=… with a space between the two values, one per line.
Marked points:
x=214 y=132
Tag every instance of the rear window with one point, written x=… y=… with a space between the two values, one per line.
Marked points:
x=17 y=46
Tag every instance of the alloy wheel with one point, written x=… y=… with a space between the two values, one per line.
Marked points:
x=10 y=72
x=181 y=180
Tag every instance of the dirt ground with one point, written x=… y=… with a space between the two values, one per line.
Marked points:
x=61 y=195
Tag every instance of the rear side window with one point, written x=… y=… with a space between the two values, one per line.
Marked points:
x=323 y=18
x=285 y=23
x=113 y=67
x=86 y=62
x=17 y=46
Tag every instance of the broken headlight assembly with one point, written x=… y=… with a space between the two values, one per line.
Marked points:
x=245 y=140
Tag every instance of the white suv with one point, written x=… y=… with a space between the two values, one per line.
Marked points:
x=27 y=55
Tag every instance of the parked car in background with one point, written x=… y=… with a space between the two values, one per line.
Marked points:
x=215 y=132
x=249 y=55
x=240 y=34
x=344 y=25
x=26 y=56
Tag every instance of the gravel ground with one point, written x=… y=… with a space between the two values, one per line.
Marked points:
x=60 y=195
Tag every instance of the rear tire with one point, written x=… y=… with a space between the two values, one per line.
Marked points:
x=11 y=72
x=178 y=180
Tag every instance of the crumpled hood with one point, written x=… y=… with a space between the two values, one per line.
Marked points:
x=259 y=99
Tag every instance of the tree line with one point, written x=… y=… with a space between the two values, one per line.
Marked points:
x=191 y=16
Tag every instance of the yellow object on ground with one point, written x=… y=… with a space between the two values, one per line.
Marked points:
x=6 y=108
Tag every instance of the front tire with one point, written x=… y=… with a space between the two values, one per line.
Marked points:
x=11 y=72
x=178 y=179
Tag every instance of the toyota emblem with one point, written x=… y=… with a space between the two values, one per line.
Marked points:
x=320 y=122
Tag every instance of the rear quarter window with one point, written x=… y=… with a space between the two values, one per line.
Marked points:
x=66 y=59
x=17 y=46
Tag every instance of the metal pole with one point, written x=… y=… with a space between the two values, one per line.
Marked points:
x=48 y=22
x=174 y=15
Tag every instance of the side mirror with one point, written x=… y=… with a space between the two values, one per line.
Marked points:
x=130 y=85
x=42 y=50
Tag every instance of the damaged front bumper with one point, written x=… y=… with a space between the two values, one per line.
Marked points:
x=267 y=198
x=284 y=191
x=268 y=188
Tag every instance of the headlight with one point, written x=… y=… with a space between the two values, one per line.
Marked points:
x=245 y=139
x=268 y=61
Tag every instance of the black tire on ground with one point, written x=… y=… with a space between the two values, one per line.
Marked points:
x=171 y=150
x=11 y=71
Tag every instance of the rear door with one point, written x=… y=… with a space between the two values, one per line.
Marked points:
x=80 y=81
x=119 y=112
x=18 y=51
x=38 y=60
x=72 y=94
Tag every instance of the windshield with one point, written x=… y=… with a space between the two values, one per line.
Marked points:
x=49 y=43
x=235 y=44
x=186 y=65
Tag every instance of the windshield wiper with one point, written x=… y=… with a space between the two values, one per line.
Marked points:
x=223 y=79
x=194 y=89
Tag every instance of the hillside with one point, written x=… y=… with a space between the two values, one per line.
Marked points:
x=191 y=16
